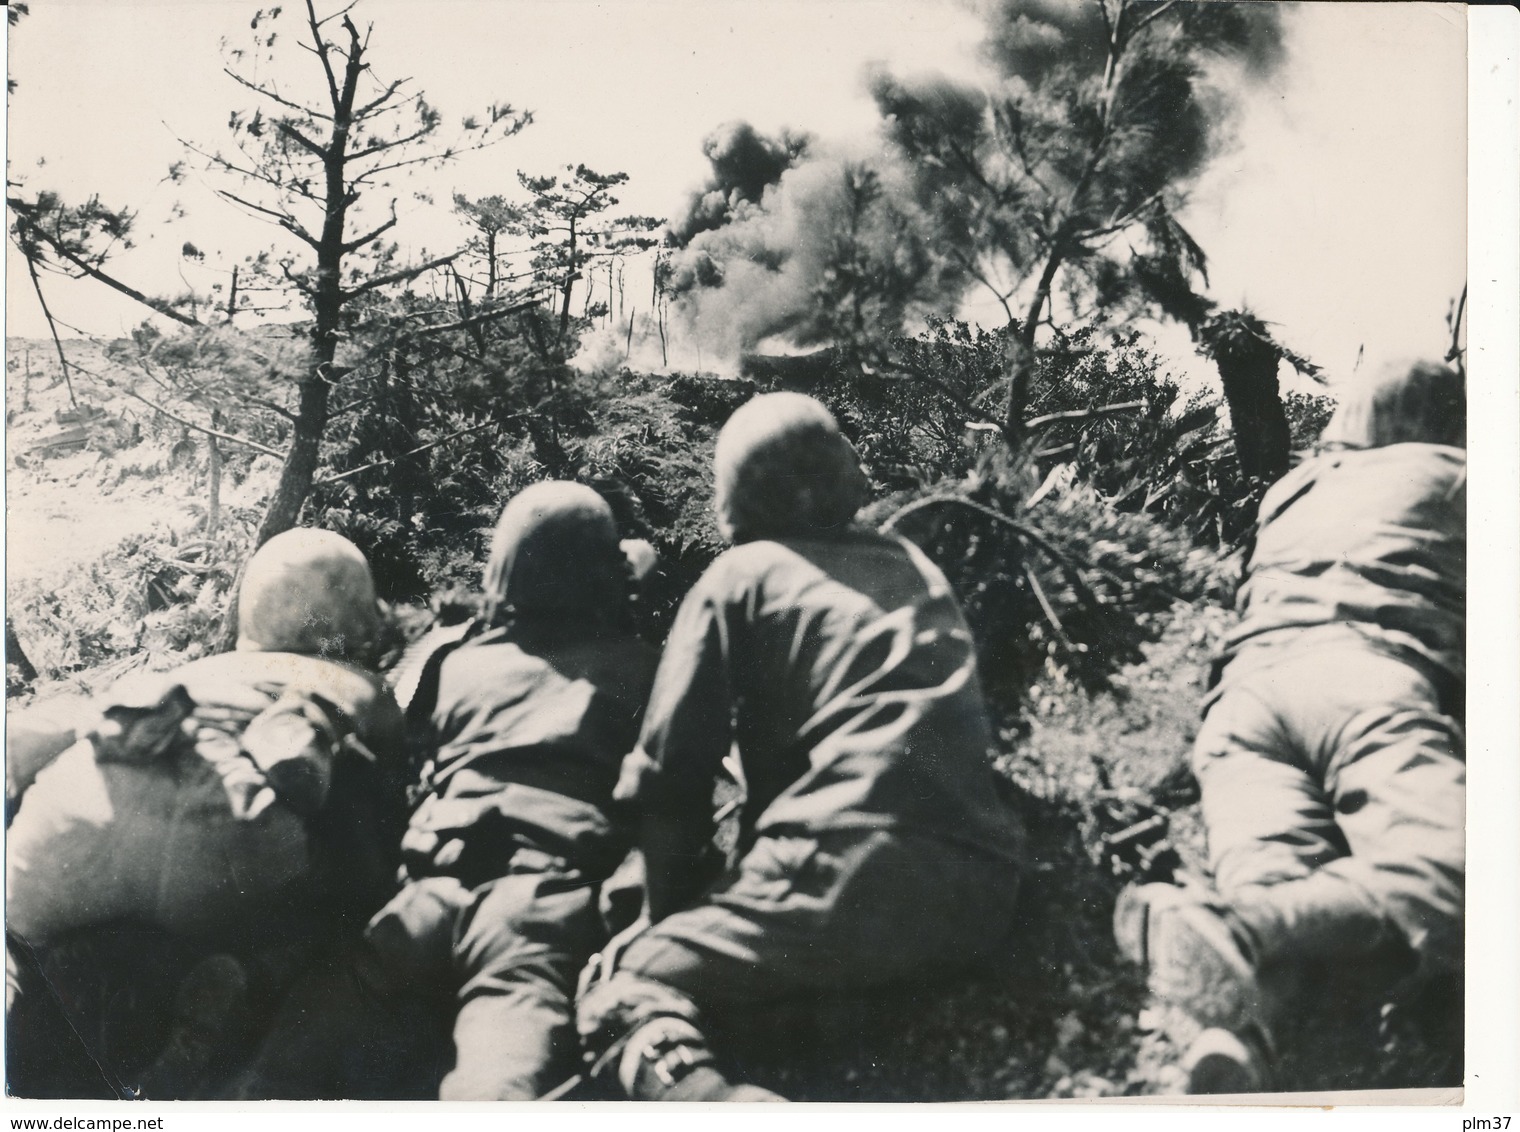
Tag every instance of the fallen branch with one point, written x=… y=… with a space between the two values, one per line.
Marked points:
x=1083 y=414
x=1058 y=450
x=52 y=328
x=1084 y=592
x=400 y=276
x=203 y=429
x=177 y=419
x=1050 y=613
x=474 y=320
x=422 y=448
x=900 y=373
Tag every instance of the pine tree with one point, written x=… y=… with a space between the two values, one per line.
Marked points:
x=324 y=167
x=1063 y=178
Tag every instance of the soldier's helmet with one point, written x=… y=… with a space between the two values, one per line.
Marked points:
x=1405 y=402
x=555 y=552
x=782 y=469
x=308 y=591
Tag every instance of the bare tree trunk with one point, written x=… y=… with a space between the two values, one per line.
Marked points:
x=53 y=329
x=214 y=491
x=301 y=461
x=467 y=312
x=1021 y=363
x=15 y=654
x=1257 y=416
x=1457 y=355
x=571 y=275
x=232 y=296
x=311 y=414
x=656 y=299
x=1247 y=358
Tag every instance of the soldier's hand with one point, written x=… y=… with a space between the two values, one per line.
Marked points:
x=613 y=952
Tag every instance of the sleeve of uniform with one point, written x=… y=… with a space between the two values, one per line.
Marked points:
x=36 y=736
x=688 y=727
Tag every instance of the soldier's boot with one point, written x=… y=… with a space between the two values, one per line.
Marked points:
x=1207 y=957
x=210 y=1012
x=668 y=1059
x=1223 y=1061
x=1199 y=957
x=645 y=1040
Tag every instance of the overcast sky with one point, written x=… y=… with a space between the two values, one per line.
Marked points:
x=1338 y=216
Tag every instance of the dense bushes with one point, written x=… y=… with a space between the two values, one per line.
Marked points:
x=157 y=600
x=1066 y=591
x=1076 y=549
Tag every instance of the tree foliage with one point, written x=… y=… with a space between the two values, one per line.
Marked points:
x=564 y=220
x=315 y=167
x=1063 y=178
x=1053 y=184
x=321 y=163
x=491 y=217
x=411 y=417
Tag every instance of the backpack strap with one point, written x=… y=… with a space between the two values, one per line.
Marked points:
x=414 y=680
x=146 y=724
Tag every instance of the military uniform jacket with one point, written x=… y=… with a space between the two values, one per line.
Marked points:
x=530 y=729
x=1371 y=540
x=843 y=671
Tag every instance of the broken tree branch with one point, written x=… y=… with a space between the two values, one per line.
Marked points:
x=159 y=306
x=52 y=329
x=1083 y=414
x=177 y=419
x=415 y=451
x=400 y=276
x=476 y=320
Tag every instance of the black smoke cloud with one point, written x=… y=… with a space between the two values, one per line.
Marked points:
x=744 y=164
x=835 y=252
x=1035 y=41
x=776 y=245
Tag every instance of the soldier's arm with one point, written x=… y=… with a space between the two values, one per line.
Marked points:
x=688 y=729
x=38 y=735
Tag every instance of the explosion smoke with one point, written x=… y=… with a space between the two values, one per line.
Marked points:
x=835 y=251
x=1070 y=163
x=744 y=164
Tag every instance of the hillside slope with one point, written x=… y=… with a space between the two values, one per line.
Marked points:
x=108 y=568
x=83 y=477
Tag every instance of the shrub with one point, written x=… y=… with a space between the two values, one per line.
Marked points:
x=1308 y=414
x=156 y=599
x=1067 y=591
